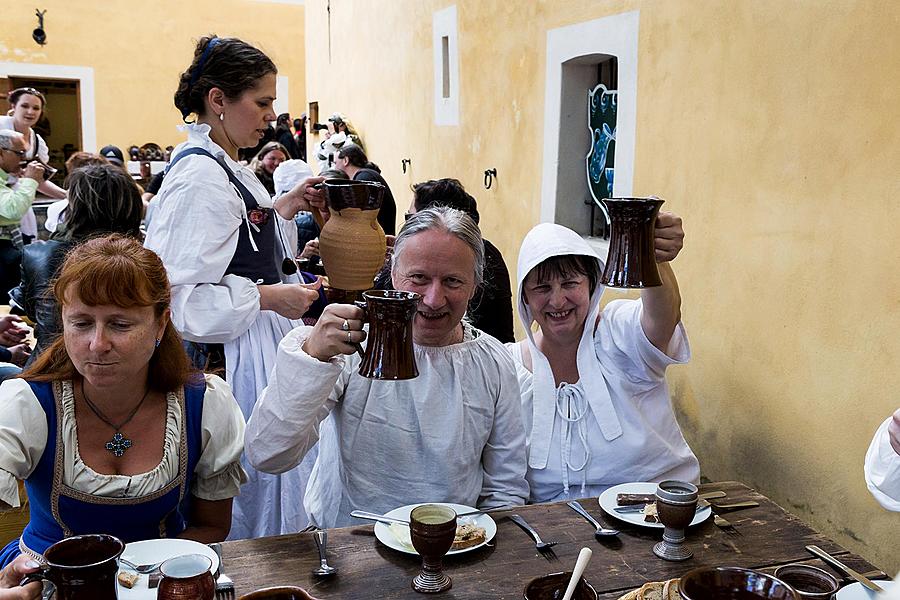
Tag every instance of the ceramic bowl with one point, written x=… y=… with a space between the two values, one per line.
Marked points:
x=284 y=592
x=553 y=586
x=728 y=583
x=811 y=583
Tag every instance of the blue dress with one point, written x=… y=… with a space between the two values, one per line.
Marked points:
x=59 y=511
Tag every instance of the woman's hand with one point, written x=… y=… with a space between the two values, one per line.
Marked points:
x=10 y=331
x=337 y=331
x=668 y=237
x=290 y=300
x=20 y=354
x=310 y=249
x=894 y=431
x=304 y=196
x=13 y=573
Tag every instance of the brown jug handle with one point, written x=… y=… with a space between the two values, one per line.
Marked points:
x=363 y=305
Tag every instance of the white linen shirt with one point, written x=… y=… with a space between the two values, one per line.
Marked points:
x=883 y=469
x=23 y=438
x=195 y=232
x=453 y=434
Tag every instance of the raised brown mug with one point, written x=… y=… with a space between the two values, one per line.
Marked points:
x=389 y=352
x=187 y=578
x=631 y=262
x=82 y=567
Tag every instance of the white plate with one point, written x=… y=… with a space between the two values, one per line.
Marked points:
x=608 y=504
x=397 y=536
x=857 y=591
x=153 y=551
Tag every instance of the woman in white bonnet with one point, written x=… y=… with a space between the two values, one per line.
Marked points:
x=595 y=401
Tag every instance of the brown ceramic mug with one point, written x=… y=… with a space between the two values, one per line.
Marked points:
x=284 y=592
x=810 y=583
x=389 y=352
x=631 y=262
x=553 y=586
x=432 y=528
x=186 y=578
x=82 y=567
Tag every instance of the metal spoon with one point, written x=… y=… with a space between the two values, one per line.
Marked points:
x=602 y=532
x=324 y=570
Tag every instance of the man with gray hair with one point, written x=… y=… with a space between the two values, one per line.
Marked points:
x=14 y=203
x=453 y=434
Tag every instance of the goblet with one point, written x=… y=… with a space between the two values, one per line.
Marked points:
x=432 y=528
x=676 y=503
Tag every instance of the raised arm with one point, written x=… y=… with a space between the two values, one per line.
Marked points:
x=882 y=466
x=307 y=382
x=662 y=304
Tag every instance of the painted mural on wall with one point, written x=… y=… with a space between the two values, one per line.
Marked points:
x=600 y=159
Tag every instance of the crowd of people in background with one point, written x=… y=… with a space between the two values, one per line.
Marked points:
x=164 y=313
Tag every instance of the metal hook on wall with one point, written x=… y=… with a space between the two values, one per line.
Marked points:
x=405 y=163
x=39 y=35
x=489 y=177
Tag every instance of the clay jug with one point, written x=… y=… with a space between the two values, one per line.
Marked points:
x=631 y=262
x=352 y=243
x=389 y=352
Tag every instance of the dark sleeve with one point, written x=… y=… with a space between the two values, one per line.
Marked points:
x=491 y=308
x=155 y=183
x=5 y=355
x=387 y=216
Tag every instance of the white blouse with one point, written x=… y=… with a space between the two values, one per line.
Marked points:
x=883 y=469
x=23 y=438
x=195 y=231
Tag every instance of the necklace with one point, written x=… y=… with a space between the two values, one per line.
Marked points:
x=119 y=443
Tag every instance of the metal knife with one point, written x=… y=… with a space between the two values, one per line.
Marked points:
x=829 y=559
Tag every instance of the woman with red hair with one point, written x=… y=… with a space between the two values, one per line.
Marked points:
x=110 y=429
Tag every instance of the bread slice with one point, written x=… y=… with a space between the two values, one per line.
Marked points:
x=468 y=535
x=127 y=579
x=631 y=499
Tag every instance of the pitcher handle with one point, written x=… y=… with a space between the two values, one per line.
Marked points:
x=363 y=305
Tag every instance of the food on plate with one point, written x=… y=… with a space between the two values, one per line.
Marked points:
x=632 y=499
x=650 y=513
x=655 y=590
x=127 y=579
x=468 y=535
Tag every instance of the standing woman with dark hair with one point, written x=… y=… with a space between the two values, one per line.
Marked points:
x=224 y=243
x=352 y=160
x=26 y=105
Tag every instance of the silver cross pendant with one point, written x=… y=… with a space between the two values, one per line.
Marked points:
x=118 y=444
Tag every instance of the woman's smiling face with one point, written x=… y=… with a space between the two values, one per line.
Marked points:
x=559 y=303
x=27 y=111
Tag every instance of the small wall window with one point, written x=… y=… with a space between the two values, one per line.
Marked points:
x=446 y=67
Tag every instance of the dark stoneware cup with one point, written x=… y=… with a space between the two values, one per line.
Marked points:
x=631 y=262
x=676 y=503
x=432 y=528
x=732 y=583
x=389 y=351
x=810 y=583
x=82 y=567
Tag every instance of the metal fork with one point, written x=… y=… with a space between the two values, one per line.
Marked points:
x=725 y=525
x=224 y=584
x=545 y=548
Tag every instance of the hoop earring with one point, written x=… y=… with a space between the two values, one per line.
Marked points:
x=222 y=116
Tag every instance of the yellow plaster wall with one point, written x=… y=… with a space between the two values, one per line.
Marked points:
x=772 y=128
x=139 y=49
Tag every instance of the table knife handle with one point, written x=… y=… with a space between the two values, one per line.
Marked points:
x=832 y=561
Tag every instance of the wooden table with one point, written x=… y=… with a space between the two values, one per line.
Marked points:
x=769 y=537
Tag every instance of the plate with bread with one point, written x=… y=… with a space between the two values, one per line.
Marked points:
x=637 y=494
x=471 y=532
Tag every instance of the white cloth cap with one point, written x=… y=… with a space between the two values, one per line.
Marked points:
x=55 y=214
x=288 y=174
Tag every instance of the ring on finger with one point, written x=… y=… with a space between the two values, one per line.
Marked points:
x=345 y=326
x=349 y=337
